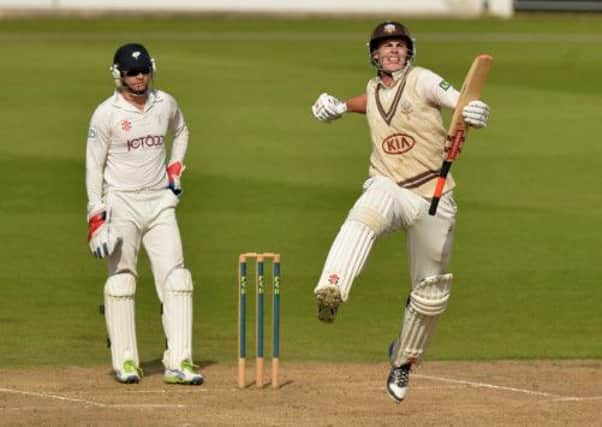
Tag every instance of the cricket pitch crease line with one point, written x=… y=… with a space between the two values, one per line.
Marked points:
x=85 y=401
x=555 y=397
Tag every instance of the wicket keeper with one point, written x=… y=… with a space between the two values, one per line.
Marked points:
x=132 y=197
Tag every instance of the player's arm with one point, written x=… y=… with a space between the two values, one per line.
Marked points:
x=357 y=104
x=328 y=108
x=100 y=239
x=438 y=92
x=175 y=166
x=97 y=147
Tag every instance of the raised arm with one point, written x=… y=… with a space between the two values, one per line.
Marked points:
x=328 y=108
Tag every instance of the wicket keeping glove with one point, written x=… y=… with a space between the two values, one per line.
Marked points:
x=174 y=175
x=100 y=239
x=328 y=108
x=476 y=114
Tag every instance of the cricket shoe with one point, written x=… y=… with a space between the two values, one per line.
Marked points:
x=399 y=377
x=329 y=299
x=187 y=374
x=130 y=374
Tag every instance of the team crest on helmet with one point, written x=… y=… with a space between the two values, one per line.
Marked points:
x=390 y=28
x=136 y=54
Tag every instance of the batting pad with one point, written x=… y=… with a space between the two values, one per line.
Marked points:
x=347 y=256
x=119 y=314
x=177 y=318
x=370 y=217
x=428 y=301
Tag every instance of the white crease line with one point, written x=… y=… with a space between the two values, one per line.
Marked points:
x=495 y=387
x=54 y=396
x=445 y=387
x=576 y=399
x=201 y=390
x=556 y=397
x=84 y=401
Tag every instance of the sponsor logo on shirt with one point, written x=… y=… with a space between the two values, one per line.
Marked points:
x=444 y=85
x=148 y=141
x=126 y=125
x=398 y=143
x=92 y=133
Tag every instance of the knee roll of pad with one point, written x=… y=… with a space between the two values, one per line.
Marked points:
x=179 y=280
x=370 y=217
x=431 y=295
x=120 y=285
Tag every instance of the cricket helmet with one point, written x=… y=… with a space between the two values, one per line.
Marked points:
x=388 y=30
x=131 y=57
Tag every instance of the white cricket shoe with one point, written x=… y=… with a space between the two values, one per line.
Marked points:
x=397 y=382
x=130 y=374
x=399 y=377
x=187 y=374
x=329 y=299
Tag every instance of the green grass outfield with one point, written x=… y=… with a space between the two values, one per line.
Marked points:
x=264 y=175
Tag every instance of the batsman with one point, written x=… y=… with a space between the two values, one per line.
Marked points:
x=403 y=106
x=132 y=197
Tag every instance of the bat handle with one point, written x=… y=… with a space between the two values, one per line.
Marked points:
x=457 y=141
x=434 y=204
x=437 y=195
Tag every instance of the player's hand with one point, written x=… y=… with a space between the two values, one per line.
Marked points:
x=100 y=239
x=328 y=108
x=476 y=114
x=174 y=175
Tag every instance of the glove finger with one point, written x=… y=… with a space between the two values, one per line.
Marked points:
x=331 y=111
x=478 y=104
x=476 y=123
x=323 y=114
x=475 y=110
x=315 y=108
x=474 y=115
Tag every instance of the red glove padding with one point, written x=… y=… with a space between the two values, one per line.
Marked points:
x=174 y=174
x=100 y=239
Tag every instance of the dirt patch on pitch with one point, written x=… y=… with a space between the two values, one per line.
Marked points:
x=441 y=393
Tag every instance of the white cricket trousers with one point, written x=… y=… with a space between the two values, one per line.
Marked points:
x=146 y=217
x=386 y=207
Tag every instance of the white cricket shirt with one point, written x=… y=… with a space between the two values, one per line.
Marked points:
x=126 y=146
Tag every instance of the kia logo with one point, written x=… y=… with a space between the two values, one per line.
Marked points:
x=398 y=143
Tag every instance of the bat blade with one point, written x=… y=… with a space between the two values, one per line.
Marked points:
x=474 y=82
x=471 y=90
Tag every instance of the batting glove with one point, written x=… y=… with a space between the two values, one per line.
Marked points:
x=476 y=114
x=328 y=108
x=100 y=239
x=174 y=175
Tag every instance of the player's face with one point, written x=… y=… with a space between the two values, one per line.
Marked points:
x=391 y=54
x=137 y=80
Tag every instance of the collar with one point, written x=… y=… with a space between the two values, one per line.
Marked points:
x=397 y=75
x=120 y=102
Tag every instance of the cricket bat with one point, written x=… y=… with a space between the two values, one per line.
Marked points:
x=471 y=90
